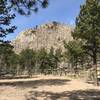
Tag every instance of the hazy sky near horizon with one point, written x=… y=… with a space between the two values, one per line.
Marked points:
x=64 y=11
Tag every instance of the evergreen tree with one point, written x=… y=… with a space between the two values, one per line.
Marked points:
x=51 y=59
x=5 y=52
x=88 y=29
x=58 y=56
x=27 y=60
x=13 y=60
x=24 y=7
x=47 y=60
x=74 y=53
x=42 y=60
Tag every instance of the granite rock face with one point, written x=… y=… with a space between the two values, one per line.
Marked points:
x=44 y=36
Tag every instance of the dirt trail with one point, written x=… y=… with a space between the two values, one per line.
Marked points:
x=48 y=88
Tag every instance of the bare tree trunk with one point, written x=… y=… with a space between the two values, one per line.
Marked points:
x=95 y=75
x=95 y=69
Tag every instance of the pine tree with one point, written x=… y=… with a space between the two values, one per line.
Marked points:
x=27 y=60
x=88 y=29
x=74 y=53
x=58 y=56
x=51 y=59
x=5 y=20
x=23 y=7
x=5 y=52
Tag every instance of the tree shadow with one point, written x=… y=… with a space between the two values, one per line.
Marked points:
x=15 y=77
x=90 y=82
x=73 y=95
x=36 y=83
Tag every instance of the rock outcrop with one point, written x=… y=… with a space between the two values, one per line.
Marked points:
x=44 y=36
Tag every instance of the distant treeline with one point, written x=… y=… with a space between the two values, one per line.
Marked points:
x=12 y=63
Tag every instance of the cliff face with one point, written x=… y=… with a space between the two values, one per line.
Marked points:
x=44 y=36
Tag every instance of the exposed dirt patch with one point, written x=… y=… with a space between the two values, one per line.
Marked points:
x=48 y=88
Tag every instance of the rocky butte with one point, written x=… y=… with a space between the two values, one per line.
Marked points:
x=44 y=36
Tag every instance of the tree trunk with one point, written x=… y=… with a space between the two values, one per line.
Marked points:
x=95 y=69
x=95 y=74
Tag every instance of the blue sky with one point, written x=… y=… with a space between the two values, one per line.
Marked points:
x=64 y=11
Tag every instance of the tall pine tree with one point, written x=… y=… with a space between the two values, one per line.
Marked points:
x=88 y=29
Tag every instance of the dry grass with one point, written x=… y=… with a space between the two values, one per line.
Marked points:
x=48 y=88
